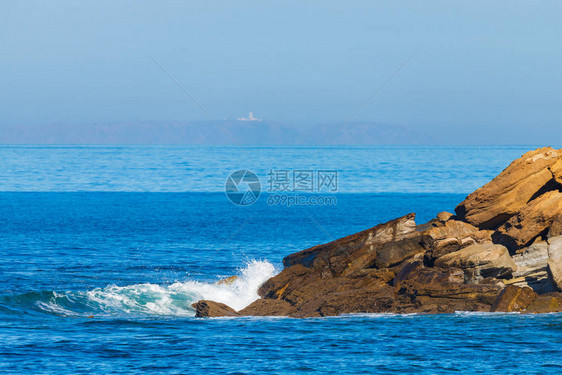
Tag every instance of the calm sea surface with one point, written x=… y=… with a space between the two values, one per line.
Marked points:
x=105 y=248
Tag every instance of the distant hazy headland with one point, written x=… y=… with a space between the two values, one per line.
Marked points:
x=254 y=133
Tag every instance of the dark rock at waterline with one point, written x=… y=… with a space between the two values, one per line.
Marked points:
x=267 y=307
x=205 y=309
x=501 y=252
x=546 y=303
x=514 y=298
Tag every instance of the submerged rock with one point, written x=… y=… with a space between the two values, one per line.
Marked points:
x=508 y=232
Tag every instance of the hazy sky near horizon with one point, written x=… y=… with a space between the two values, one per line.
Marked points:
x=493 y=65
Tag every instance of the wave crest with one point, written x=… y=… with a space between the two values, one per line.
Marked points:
x=152 y=299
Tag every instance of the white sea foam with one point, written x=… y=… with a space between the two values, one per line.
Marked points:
x=174 y=299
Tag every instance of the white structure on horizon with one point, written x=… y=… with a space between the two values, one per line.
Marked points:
x=249 y=118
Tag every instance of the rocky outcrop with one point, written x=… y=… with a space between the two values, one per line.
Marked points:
x=502 y=251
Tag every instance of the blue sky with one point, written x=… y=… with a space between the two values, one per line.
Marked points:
x=494 y=65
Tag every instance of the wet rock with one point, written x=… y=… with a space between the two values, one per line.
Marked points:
x=348 y=300
x=513 y=299
x=480 y=261
x=531 y=222
x=207 y=309
x=497 y=201
x=555 y=261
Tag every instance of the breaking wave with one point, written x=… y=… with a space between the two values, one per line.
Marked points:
x=148 y=299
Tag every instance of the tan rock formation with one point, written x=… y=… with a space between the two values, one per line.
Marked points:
x=497 y=201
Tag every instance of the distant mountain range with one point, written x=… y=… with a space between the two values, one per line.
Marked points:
x=213 y=133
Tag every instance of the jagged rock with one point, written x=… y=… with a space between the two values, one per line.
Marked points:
x=356 y=251
x=480 y=261
x=532 y=268
x=514 y=298
x=207 y=309
x=444 y=216
x=267 y=307
x=532 y=221
x=546 y=303
x=504 y=196
x=555 y=260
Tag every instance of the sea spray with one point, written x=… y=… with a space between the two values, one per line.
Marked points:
x=157 y=300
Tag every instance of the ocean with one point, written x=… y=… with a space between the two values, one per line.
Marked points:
x=105 y=248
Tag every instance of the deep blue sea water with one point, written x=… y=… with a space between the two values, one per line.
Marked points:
x=105 y=248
